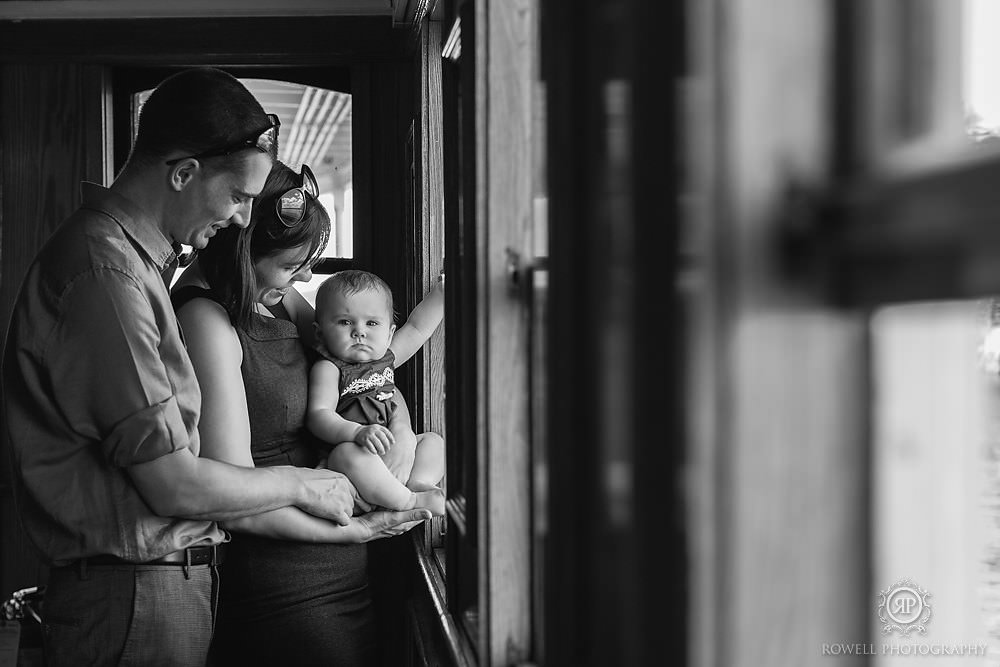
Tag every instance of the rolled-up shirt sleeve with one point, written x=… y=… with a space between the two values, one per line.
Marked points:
x=118 y=391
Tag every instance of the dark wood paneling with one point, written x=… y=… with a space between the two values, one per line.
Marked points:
x=216 y=41
x=383 y=99
x=391 y=114
x=362 y=129
x=52 y=137
x=431 y=246
x=408 y=294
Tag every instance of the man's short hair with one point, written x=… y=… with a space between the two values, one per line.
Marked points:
x=196 y=110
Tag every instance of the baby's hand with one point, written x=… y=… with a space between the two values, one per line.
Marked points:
x=375 y=438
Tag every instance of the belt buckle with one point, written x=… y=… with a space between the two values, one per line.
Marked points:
x=205 y=555
x=212 y=554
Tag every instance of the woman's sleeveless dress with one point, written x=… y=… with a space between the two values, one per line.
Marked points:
x=283 y=602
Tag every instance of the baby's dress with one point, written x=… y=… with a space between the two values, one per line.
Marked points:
x=366 y=388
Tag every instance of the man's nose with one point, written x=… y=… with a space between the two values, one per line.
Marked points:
x=242 y=217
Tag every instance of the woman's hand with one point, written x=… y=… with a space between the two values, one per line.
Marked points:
x=375 y=438
x=385 y=523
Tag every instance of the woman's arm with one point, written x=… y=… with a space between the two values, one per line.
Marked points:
x=216 y=354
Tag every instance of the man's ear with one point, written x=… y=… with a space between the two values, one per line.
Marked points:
x=182 y=173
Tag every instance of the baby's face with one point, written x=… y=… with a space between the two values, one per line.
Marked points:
x=355 y=327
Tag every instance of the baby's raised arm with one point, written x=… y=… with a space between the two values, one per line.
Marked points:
x=420 y=325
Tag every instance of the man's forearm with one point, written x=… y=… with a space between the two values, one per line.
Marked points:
x=223 y=491
x=183 y=485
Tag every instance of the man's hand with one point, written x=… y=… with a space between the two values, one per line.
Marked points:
x=384 y=523
x=326 y=494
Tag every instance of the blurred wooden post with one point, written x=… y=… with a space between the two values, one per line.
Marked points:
x=617 y=555
x=790 y=523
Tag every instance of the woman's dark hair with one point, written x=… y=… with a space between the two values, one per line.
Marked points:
x=228 y=259
x=196 y=110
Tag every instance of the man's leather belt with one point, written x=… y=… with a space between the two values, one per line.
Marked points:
x=210 y=555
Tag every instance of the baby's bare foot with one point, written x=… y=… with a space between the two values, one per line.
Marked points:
x=432 y=499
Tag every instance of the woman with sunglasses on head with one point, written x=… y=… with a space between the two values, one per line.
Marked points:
x=294 y=588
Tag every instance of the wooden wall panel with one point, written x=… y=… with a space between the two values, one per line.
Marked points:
x=54 y=133
x=391 y=105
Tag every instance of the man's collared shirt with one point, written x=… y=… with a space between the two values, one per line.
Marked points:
x=97 y=379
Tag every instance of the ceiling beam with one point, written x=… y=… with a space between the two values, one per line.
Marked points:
x=176 y=42
x=138 y=9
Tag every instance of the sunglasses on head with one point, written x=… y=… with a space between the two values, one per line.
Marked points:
x=265 y=140
x=291 y=206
